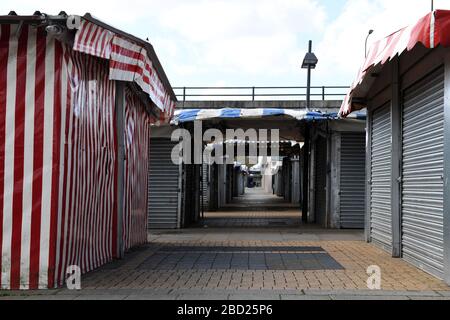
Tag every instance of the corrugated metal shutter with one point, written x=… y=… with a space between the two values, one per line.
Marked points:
x=422 y=173
x=320 y=179
x=164 y=179
x=205 y=181
x=380 y=187
x=352 y=180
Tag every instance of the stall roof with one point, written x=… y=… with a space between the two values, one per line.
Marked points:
x=131 y=59
x=431 y=30
x=189 y=115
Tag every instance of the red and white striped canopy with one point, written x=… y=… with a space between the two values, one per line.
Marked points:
x=431 y=30
x=129 y=61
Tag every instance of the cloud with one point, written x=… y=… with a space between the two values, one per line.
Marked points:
x=341 y=50
x=249 y=42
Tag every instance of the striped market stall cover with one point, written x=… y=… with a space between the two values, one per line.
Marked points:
x=431 y=30
x=188 y=115
x=128 y=62
x=58 y=158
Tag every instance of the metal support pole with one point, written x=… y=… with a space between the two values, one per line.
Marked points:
x=119 y=110
x=202 y=190
x=308 y=80
x=305 y=188
x=396 y=161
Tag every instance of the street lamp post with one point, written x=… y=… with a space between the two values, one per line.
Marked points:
x=309 y=62
x=365 y=45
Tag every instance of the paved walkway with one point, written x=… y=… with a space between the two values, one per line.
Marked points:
x=301 y=262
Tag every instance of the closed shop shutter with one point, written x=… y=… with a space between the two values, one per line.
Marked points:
x=422 y=173
x=352 y=180
x=205 y=184
x=320 y=197
x=163 y=204
x=380 y=186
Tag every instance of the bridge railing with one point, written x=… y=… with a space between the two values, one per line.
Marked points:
x=259 y=93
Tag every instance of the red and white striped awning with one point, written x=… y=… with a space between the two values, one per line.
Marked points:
x=431 y=30
x=129 y=61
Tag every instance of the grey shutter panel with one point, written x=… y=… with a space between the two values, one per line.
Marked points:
x=380 y=186
x=320 y=197
x=205 y=181
x=163 y=186
x=352 y=180
x=422 y=172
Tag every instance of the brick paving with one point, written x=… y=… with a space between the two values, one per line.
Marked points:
x=353 y=256
x=305 y=262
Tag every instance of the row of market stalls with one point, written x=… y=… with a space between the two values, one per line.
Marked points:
x=405 y=86
x=334 y=154
x=77 y=98
x=86 y=154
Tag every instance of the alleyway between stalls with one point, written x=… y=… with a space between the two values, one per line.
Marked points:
x=254 y=248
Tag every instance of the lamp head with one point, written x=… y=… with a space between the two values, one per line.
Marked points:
x=309 y=61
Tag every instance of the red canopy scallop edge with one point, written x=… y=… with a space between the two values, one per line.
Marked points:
x=431 y=30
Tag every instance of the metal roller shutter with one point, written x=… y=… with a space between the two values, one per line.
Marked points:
x=422 y=173
x=320 y=197
x=380 y=183
x=205 y=184
x=163 y=204
x=352 y=180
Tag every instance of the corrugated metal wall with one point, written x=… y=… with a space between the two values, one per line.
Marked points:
x=380 y=180
x=320 y=181
x=206 y=185
x=352 y=179
x=422 y=173
x=164 y=184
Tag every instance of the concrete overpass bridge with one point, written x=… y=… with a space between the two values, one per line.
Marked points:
x=323 y=98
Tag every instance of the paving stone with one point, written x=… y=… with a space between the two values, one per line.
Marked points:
x=255 y=296
x=101 y=297
x=52 y=297
x=304 y=297
x=369 y=297
x=150 y=297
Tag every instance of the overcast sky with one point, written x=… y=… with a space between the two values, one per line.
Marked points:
x=248 y=42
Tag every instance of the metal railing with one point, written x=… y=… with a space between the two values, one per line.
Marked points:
x=259 y=93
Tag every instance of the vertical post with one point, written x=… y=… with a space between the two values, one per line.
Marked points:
x=323 y=93
x=184 y=94
x=396 y=160
x=367 y=216
x=119 y=110
x=202 y=190
x=305 y=188
x=446 y=176
x=432 y=5
x=308 y=80
x=253 y=93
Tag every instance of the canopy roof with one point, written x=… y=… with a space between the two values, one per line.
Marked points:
x=431 y=30
x=189 y=115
